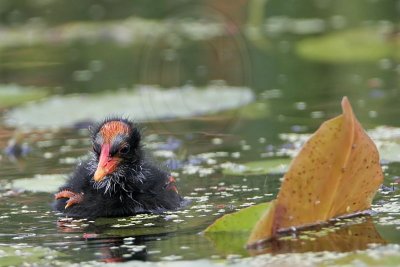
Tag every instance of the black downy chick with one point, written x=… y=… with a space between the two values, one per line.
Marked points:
x=118 y=180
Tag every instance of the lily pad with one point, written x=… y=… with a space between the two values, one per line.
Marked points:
x=241 y=221
x=40 y=183
x=126 y=32
x=390 y=151
x=145 y=103
x=355 y=45
x=270 y=166
x=12 y=94
x=20 y=255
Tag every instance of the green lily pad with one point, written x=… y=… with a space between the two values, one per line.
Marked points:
x=354 y=45
x=134 y=30
x=257 y=167
x=12 y=94
x=40 y=183
x=240 y=221
x=389 y=151
x=144 y=103
x=230 y=232
x=20 y=255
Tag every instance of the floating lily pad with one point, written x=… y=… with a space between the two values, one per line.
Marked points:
x=12 y=94
x=270 y=166
x=40 y=183
x=389 y=151
x=241 y=221
x=143 y=104
x=355 y=45
x=21 y=255
x=127 y=31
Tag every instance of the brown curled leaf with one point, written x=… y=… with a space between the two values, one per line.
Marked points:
x=337 y=172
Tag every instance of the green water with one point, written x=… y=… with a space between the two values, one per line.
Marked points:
x=272 y=47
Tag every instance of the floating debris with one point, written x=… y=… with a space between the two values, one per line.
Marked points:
x=171 y=258
x=17 y=148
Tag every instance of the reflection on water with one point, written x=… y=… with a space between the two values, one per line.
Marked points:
x=294 y=57
x=355 y=234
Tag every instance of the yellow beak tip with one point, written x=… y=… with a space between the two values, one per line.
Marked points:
x=99 y=175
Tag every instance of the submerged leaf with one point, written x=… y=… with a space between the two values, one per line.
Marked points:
x=252 y=111
x=257 y=167
x=337 y=172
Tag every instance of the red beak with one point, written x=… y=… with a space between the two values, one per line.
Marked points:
x=107 y=164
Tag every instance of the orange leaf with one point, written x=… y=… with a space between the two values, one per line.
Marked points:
x=337 y=172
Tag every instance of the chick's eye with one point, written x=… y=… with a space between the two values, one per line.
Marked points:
x=124 y=150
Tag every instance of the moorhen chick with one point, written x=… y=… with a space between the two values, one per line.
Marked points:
x=118 y=180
